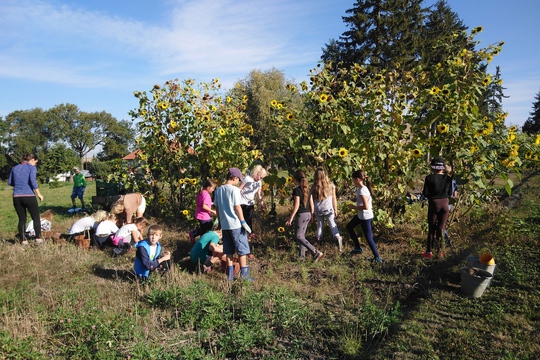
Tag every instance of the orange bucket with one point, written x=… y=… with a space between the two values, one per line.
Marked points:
x=487 y=259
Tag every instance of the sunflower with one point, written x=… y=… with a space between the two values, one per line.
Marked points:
x=416 y=153
x=173 y=124
x=185 y=212
x=486 y=81
x=442 y=128
x=142 y=113
x=477 y=30
x=290 y=117
x=228 y=99
x=343 y=152
x=163 y=105
x=514 y=147
x=323 y=97
x=528 y=154
x=537 y=140
x=279 y=106
x=281 y=229
x=162 y=138
x=162 y=200
x=289 y=180
x=434 y=90
x=181 y=181
x=222 y=132
x=194 y=181
x=273 y=103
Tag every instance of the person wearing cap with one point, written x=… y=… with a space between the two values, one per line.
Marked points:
x=79 y=186
x=438 y=190
x=228 y=203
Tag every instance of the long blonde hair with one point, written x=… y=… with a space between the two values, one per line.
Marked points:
x=322 y=186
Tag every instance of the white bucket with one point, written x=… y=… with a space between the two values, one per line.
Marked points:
x=474 y=281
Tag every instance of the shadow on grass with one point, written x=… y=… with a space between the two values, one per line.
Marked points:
x=114 y=274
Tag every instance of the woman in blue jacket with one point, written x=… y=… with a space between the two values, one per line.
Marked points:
x=25 y=188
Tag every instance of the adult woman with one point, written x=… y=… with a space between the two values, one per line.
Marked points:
x=128 y=205
x=25 y=189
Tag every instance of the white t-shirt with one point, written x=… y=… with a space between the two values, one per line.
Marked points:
x=125 y=232
x=106 y=227
x=82 y=224
x=364 y=214
x=45 y=226
x=251 y=187
x=226 y=197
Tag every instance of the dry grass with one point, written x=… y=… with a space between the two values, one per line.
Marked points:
x=65 y=302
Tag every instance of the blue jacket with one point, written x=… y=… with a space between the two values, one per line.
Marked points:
x=23 y=179
x=143 y=265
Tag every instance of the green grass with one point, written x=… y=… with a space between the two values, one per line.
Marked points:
x=62 y=302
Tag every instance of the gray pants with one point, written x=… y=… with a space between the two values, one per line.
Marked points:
x=302 y=222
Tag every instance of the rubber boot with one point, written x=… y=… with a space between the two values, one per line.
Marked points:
x=244 y=274
x=340 y=243
x=230 y=273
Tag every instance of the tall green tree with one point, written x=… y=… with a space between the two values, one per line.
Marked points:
x=58 y=159
x=384 y=34
x=532 y=124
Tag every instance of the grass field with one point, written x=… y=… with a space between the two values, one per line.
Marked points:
x=62 y=302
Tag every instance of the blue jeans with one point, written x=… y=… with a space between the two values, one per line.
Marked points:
x=366 y=229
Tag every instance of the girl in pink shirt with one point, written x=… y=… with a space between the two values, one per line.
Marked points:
x=204 y=210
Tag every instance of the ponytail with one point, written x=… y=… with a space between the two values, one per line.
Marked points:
x=361 y=174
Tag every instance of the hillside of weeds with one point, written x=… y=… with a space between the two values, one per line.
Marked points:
x=62 y=302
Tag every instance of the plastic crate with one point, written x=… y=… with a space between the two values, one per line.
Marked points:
x=104 y=188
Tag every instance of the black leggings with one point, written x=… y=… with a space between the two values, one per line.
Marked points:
x=21 y=204
x=437 y=216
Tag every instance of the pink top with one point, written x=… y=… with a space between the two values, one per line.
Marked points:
x=203 y=198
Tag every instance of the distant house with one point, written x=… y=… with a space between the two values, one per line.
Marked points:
x=132 y=156
x=67 y=176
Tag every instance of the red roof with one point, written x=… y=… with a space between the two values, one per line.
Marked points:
x=131 y=156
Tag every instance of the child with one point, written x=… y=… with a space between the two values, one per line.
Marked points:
x=364 y=216
x=325 y=202
x=228 y=206
x=128 y=234
x=249 y=189
x=87 y=223
x=301 y=215
x=437 y=189
x=450 y=172
x=105 y=230
x=149 y=256
x=204 y=210
x=46 y=225
x=207 y=250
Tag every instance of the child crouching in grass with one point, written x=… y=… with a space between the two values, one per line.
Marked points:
x=149 y=256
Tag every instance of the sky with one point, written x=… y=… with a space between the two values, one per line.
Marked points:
x=95 y=53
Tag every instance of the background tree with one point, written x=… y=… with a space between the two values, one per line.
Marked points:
x=58 y=159
x=28 y=131
x=532 y=124
x=383 y=34
x=83 y=131
x=261 y=88
x=118 y=141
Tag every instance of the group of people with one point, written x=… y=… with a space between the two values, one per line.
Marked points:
x=233 y=205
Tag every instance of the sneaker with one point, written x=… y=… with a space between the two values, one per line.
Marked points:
x=357 y=251
x=39 y=241
x=427 y=255
x=377 y=260
x=191 y=237
x=251 y=256
x=252 y=236
x=441 y=254
x=24 y=243
x=207 y=269
x=318 y=255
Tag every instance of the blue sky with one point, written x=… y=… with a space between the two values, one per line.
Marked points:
x=95 y=53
